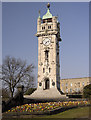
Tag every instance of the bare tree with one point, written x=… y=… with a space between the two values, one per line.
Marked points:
x=16 y=72
x=5 y=94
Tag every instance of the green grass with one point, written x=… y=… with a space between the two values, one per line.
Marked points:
x=72 y=113
x=81 y=112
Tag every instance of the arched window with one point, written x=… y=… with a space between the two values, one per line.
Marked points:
x=43 y=27
x=43 y=70
x=46 y=55
x=49 y=70
x=49 y=27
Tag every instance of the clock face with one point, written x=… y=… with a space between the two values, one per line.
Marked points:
x=46 y=41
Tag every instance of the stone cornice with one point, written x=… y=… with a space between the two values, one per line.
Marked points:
x=46 y=33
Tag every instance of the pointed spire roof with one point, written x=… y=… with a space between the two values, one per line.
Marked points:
x=48 y=14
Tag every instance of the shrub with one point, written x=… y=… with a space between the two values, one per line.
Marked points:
x=87 y=91
x=30 y=91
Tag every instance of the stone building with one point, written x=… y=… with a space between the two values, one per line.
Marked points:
x=74 y=85
x=48 y=33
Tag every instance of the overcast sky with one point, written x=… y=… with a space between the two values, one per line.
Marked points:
x=20 y=26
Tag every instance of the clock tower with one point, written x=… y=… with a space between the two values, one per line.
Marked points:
x=48 y=33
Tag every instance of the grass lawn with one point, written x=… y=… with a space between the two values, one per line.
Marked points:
x=81 y=112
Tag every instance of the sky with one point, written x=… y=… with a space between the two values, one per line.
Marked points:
x=90 y=39
x=0 y=30
x=19 y=26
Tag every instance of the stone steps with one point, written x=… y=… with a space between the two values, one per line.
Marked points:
x=52 y=93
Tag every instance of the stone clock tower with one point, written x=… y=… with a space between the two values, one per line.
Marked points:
x=48 y=33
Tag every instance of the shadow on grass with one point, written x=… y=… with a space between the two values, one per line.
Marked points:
x=47 y=119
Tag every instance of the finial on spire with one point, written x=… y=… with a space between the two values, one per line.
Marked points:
x=39 y=13
x=48 y=5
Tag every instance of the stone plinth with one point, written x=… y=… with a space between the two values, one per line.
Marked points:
x=49 y=94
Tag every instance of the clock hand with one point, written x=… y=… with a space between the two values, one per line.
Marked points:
x=46 y=42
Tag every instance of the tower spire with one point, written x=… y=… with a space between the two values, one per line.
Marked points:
x=48 y=14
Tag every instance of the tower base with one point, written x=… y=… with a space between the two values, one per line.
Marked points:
x=48 y=94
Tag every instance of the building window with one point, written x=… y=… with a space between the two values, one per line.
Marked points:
x=70 y=90
x=43 y=28
x=66 y=90
x=75 y=84
x=49 y=27
x=49 y=70
x=46 y=55
x=66 y=84
x=83 y=84
x=78 y=84
x=76 y=89
x=43 y=70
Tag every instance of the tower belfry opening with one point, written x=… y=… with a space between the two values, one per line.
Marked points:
x=48 y=20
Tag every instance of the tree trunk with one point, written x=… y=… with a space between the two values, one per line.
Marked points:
x=11 y=94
